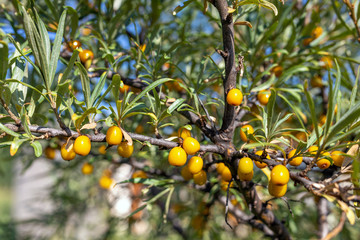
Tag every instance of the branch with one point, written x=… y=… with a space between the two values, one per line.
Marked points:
x=337 y=229
x=352 y=15
x=52 y=132
x=322 y=218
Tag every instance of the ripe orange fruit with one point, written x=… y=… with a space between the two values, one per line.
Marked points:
x=324 y=163
x=224 y=185
x=263 y=96
x=191 y=145
x=307 y=41
x=87 y=168
x=326 y=62
x=316 y=81
x=124 y=89
x=139 y=174
x=200 y=178
x=102 y=149
x=338 y=158
x=301 y=136
x=245 y=166
x=185 y=173
x=69 y=153
x=246 y=129
x=125 y=150
x=82 y=145
x=86 y=31
x=74 y=44
x=50 y=152
x=139 y=129
x=86 y=57
x=261 y=164
x=220 y=167
x=177 y=156
x=114 y=135
x=280 y=175
x=295 y=161
x=246 y=177
x=226 y=174
x=277 y=190
x=313 y=150
x=106 y=182
x=278 y=70
x=234 y=97
x=184 y=133
x=195 y=164
x=317 y=32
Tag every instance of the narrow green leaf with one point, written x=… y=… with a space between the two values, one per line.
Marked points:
x=312 y=109
x=98 y=88
x=179 y=8
x=52 y=8
x=25 y=123
x=55 y=53
x=74 y=21
x=8 y=131
x=355 y=88
x=70 y=65
x=175 y=105
x=4 y=52
x=37 y=148
x=44 y=36
x=270 y=113
x=114 y=85
x=81 y=119
x=85 y=82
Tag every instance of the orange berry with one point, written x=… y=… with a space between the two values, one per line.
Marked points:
x=316 y=81
x=295 y=161
x=261 y=164
x=68 y=153
x=301 y=136
x=226 y=174
x=139 y=174
x=195 y=164
x=125 y=150
x=124 y=89
x=105 y=182
x=87 y=168
x=280 y=175
x=114 y=135
x=313 y=150
x=326 y=62
x=139 y=129
x=220 y=167
x=338 y=158
x=245 y=166
x=185 y=173
x=224 y=185
x=184 y=133
x=75 y=44
x=86 y=31
x=177 y=156
x=277 y=190
x=50 y=152
x=263 y=96
x=82 y=145
x=317 y=32
x=200 y=178
x=322 y=119
x=247 y=176
x=278 y=70
x=102 y=149
x=86 y=56
x=234 y=97
x=191 y=145
x=246 y=130
x=307 y=41
x=324 y=163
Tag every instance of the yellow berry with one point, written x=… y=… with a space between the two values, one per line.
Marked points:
x=68 y=153
x=185 y=173
x=102 y=149
x=324 y=163
x=74 y=44
x=226 y=174
x=313 y=150
x=125 y=150
x=220 y=167
x=184 y=133
x=295 y=161
x=317 y=32
x=139 y=174
x=246 y=129
x=278 y=70
x=195 y=164
x=261 y=164
x=114 y=135
x=245 y=166
x=200 y=178
x=50 y=152
x=247 y=176
x=177 y=156
x=263 y=96
x=87 y=168
x=338 y=158
x=124 y=89
x=105 y=182
x=82 y=145
x=280 y=175
x=316 y=81
x=191 y=145
x=234 y=97
x=277 y=190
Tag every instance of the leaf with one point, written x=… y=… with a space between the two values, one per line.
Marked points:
x=89 y=126
x=8 y=131
x=127 y=137
x=4 y=52
x=80 y=120
x=269 y=5
x=312 y=109
x=24 y=122
x=246 y=23
x=348 y=211
x=70 y=65
x=15 y=144
x=74 y=21
x=231 y=10
x=56 y=48
x=114 y=85
x=85 y=82
x=37 y=148
x=98 y=88
x=175 y=105
x=179 y=8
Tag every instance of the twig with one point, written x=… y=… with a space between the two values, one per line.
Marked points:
x=352 y=14
x=11 y=114
x=337 y=229
x=322 y=217
x=227 y=204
